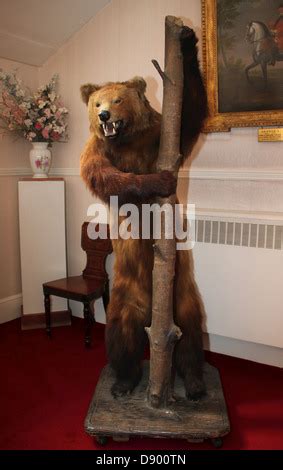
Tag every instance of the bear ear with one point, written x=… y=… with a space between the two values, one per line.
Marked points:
x=137 y=82
x=87 y=90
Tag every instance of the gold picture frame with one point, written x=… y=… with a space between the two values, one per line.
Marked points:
x=219 y=121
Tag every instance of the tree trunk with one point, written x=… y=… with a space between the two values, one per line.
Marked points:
x=163 y=333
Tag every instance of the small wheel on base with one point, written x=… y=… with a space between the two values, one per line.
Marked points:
x=48 y=332
x=217 y=442
x=101 y=440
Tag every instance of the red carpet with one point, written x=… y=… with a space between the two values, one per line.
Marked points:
x=46 y=387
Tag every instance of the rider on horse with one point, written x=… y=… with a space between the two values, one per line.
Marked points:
x=277 y=29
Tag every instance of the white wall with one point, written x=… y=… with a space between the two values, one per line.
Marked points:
x=118 y=43
x=229 y=171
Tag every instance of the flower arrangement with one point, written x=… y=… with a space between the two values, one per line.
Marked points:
x=38 y=117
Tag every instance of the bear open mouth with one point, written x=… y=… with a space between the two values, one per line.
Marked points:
x=111 y=129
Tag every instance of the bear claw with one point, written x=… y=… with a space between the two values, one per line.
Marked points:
x=122 y=388
x=195 y=389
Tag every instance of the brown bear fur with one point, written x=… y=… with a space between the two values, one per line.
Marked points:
x=124 y=164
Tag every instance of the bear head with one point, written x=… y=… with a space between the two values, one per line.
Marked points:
x=117 y=111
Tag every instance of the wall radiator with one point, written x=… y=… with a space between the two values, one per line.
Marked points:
x=239 y=270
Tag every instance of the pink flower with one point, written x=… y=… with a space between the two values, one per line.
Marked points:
x=17 y=115
x=31 y=136
x=7 y=100
x=39 y=115
x=45 y=133
x=55 y=135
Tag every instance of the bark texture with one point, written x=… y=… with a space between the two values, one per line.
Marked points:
x=163 y=333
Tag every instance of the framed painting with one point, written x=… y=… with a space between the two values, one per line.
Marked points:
x=243 y=63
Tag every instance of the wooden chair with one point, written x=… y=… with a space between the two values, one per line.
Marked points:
x=91 y=285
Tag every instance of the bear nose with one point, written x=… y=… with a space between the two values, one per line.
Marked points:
x=104 y=116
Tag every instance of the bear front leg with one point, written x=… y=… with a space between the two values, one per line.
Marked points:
x=130 y=187
x=194 y=109
x=104 y=180
x=125 y=341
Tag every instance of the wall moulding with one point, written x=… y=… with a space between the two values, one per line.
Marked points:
x=222 y=174
x=10 y=308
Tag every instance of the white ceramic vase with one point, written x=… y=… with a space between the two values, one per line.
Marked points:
x=40 y=159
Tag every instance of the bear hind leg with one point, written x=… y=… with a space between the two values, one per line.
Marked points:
x=188 y=354
x=188 y=315
x=188 y=360
x=125 y=342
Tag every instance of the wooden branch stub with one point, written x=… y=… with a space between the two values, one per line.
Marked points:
x=177 y=333
x=174 y=334
x=160 y=71
x=158 y=68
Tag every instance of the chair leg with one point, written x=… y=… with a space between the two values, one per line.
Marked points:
x=47 y=314
x=92 y=312
x=87 y=317
x=106 y=295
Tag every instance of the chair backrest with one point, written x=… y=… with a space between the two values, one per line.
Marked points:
x=96 y=250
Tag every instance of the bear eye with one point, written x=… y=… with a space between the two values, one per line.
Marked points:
x=117 y=101
x=97 y=105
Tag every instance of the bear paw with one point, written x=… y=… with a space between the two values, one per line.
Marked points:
x=189 y=42
x=123 y=387
x=167 y=183
x=195 y=388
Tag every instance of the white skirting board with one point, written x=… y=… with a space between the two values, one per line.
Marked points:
x=10 y=308
x=220 y=344
x=244 y=349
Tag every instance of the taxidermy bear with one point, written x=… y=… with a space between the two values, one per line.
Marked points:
x=120 y=159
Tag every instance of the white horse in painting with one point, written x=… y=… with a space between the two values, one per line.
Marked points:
x=264 y=48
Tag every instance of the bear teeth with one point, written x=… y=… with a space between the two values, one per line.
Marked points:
x=109 y=128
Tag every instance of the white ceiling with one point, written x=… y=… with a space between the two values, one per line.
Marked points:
x=32 y=30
